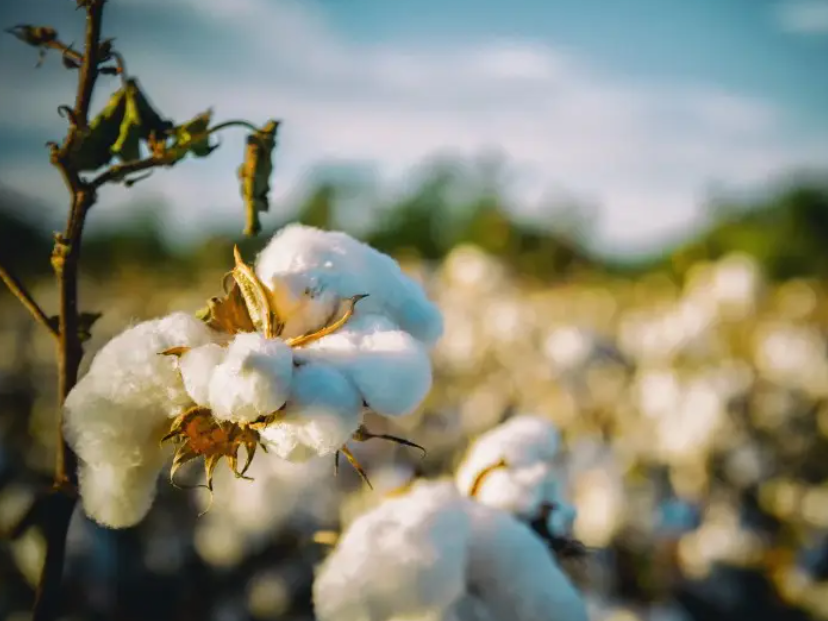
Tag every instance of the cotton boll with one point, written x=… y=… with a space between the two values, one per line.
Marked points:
x=405 y=559
x=116 y=414
x=301 y=258
x=323 y=412
x=391 y=369
x=118 y=497
x=513 y=574
x=519 y=491
x=197 y=366
x=253 y=380
x=520 y=441
x=301 y=308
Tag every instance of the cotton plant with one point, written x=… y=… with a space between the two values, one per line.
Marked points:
x=516 y=467
x=435 y=554
x=321 y=329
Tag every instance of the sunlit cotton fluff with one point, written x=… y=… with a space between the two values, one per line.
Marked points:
x=513 y=468
x=521 y=441
x=391 y=370
x=323 y=411
x=309 y=269
x=433 y=554
x=225 y=388
x=117 y=413
x=252 y=380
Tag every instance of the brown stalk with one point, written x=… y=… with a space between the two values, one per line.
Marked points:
x=21 y=293
x=65 y=261
x=53 y=510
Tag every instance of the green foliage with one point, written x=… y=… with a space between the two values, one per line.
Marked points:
x=191 y=137
x=94 y=149
x=140 y=122
x=787 y=234
x=318 y=209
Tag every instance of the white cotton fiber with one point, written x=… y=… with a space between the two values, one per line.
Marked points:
x=514 y=575
x=253 y=380
x=117 y=413
x=520 y=491
x=432 y=554
x=404 y=559
x=520 y=441
x=391 y=369
x=197 y=366
x=323 y=411
x=305 y=258
x=118 y=497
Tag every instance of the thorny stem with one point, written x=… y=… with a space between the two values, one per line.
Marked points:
x=65 y=261
x=22 y=294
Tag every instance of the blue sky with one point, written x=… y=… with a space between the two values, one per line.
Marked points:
x=637 y=106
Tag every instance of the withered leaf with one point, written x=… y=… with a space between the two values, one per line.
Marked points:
x=94 y=149
x=33 y=35
x=255 y=173
x=191 y=137
x=228 y=314
x=139 y=122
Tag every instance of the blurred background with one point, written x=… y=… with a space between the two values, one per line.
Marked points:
x=621 y=208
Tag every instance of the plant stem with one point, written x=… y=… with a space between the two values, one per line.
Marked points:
x=26 y=299
x=233 y=123
x=65 y=261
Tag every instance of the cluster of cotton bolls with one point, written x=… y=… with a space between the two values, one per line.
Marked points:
x=712 y=387
x=693 y=415
x=320 y=387
x=442 y=552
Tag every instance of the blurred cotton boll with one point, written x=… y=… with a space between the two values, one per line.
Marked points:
x=117 y=413
x=520 y=441
x=433 y=554
x=253 y=380
x=305 y=261
x=405 y=559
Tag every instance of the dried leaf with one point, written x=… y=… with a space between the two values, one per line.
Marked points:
x=69 y=62
x=255 y=173
x=94 y=149
x=257 y=298
x=33 y=35
x=140 y=121
x=191 y=137
x=228 y=314
x=175 y=351
x=85 y=323
x=105 y=50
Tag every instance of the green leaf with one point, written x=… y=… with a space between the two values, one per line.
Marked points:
x=255 y=173
x=94 y=149
x=140 y=121
x=192 y=137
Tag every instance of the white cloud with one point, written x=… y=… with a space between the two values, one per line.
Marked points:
x=644 y=152
x=807 y=17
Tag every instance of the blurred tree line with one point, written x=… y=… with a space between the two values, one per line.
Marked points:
x=786 y=230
